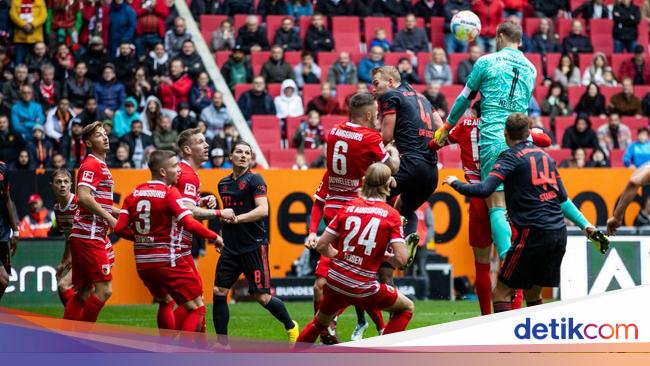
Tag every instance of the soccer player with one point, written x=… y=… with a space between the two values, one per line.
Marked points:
x=8 y=228
x=152 y=216
x=351 y=148
x=505 y=79
x=65 y=210
x=245 y=244
x=92 y=251
x=537 y=202
x=640 y=178
x=357 y=240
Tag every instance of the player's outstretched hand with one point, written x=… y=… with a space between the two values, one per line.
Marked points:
x=228 y=214
x=441 y=135
x=208 y=201
x=612 y=225
x=311 y=241
x=449 y=179
x=599 y=239
x=112 y=222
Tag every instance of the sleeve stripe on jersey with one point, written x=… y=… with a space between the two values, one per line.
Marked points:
x=385 y=158
x=319 y=198
x=126 y=212
x=397 y=240
x=388 y=111
x=185 y=213
x=187 y=199
x=498 y=175
x=331 y=231
x=87 y=185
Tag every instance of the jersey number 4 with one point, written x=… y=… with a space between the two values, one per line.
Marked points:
x=544 y=177
x=424 y=116
x=367 y=237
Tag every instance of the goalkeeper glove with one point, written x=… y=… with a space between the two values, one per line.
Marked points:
x=599 y=239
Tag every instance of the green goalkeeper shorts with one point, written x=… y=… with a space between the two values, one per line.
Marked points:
x=488 y=156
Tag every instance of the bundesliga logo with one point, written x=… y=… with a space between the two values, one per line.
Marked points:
x=568 y=328
x=88 y=176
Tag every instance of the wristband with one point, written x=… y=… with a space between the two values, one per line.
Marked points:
x=15 y=234
x=217 y=213
x=447 y=126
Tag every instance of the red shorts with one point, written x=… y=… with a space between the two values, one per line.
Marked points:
x=180 y=282
x=328 y=215
x=190 y=261
x=480 y=232
x=91 y=261
x=334 y=301
x=322 y=267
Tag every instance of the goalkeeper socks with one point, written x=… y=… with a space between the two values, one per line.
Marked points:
x=311 y=331
x=534 y=303
x=220 y=314
x=66 y=295
x=73 y=308
x=276 y=307
x=398 y=322
x=361 y=316
x=501 y=233
x=179 y=316
x=501 y=306
x=377 y=318
x=194 y=320
x=518 y=300
x=483 y=287
x=92 y=308
x=165 y=317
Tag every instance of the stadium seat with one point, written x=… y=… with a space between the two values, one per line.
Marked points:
x=437 y=31
x=305 y=22
x=309 y=92
x=536 y=60
x=617 y=61
x=311 y=155
x=266 y=123
x=282 y=159
x=372 y=23
x=585 y=59
x=240 y=19
x=258 y=59
x=603 y=26
x=241 y=88
x=210 y=23
x=454 y=59
x=221 y=57
x=634 y=124
x=641 y=90
x=451 y=92
x=273 y=23
x=575 y=93
x=402 y=21
x=423 y=59
x=539 y=93
x=342 y=92
x=274 y=89
x=596 y=122
x=292 y=57
x=552 y=61
x=392 y=58
x=559 y=155
x=292 y=123
x=604 y=42
x=345 y=30
x=449 y=157
x=644 y=34
x=531 y=25
x=332 y=120
x=616 y=158
x=546 y=122
x=563 y=27
x=609 y=92
x=561 y=124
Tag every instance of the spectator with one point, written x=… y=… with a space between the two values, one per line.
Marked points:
x=609 y=80
x=58 y=119
x=175 y=89
x=63 y=61
x=643 y=218
x=438 y=69
x=96 y=58
x=636 y=68
x=223 y=39
x=436 y=98
x=567 y=73
x=175 y=37
x=226 y=139
x=580 y=135
x=298 y=8
x=288 y=103
x=157 y=62
x=556 y=102
x=11 y=89
x=94 y=21
x=318 y=39
x=321 y=161
x=645 y=10
x=310 y=134
x=26 y=113
x=109 y=92
x=251 y=37
x=164 y=137
x=22 y=162
x=90 y=113
x=331 y=7
x=40 y=148
x=549 y=8
x=411 y=39
x=576 y=42
x=594 y=73
x=375 y=58
x=361 y=87
x=626 y=23
x=121 y=159
x=324 y=103
x=381 y=40
x=201 y=93
x=36 y=59
x=124 y=117
x=78 y=88
x=237 y=70
x=137 y=142
x=592 y=102
x=591 y=9
x=113 y=141
x=526 y=44
x=491 y=14
x=406 y=71
x=299 y=162
x=232 y=7
x=256 y=101
x=452 y=7
x=58 y=162
x=215 y=116
x=342 y=72
x=125 y=63
x=72 y=146
x=614 y=134
x=47 y=90
x=191 y=60
x=38 y=222
x=287 y=37
x=276 y=70
x=626 y=103
x=598 y=159
x=638 y=153
x=150 y=24
x=218 y=159
x=307 y=71
x=152 y=115
x=28 y=17
x=429 y=8
x=392 y=8
x=185 y=120
x=10 y=141
x=514 y=8
x=545 y=40
x=139 y=87
x=578 y=159
x=122 y=25
x=5 y=108
x=465 y=67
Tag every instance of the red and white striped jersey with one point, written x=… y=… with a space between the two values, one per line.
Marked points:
x=365 y=230
x=153 y=211
x=189 y=186
x=466 y=135
x=94 y=173
x=65 y=215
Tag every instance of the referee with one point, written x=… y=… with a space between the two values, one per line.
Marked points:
x=245 y=244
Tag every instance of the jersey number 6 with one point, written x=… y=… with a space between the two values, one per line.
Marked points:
x=339 y=164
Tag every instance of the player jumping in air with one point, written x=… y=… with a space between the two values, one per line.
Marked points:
x=92 y=251
x=351 y=148
x=152 y=217
x=537 y=202
x=65 y=210
x=8 y=228
x=246 y=245
x=640 y=178
x=357 y=240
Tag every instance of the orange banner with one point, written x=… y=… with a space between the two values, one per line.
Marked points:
x=595 y=191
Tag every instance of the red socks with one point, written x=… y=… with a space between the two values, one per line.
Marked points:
x=165 y=318
x=194 y=320
x=483 y=287
x=518 y=300
x=398 y=322
x=180 y=314
x=73 y=308
x=311 y=331
x=66 y=295
x=92 y=308
x=377 y=318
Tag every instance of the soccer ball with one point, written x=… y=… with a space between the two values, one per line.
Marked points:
x=465 y=26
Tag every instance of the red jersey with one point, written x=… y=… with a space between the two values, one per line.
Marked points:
x=365 y=230
x=156 y=235
x=351 y=149
x=189 y=187
x=65 y=215
x=466 y=135
x=94 y=173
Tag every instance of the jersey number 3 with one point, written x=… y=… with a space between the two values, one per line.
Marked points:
x=143 y=225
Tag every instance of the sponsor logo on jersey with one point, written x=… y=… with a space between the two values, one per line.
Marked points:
x=106 y=269
x=242 y=185
x=190 y=189
x=88 y=176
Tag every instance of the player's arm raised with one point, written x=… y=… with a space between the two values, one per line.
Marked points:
x=86 y=200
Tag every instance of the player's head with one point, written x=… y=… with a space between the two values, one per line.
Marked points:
x=509 y=35
x=163 y=165
x=95 y=138
x=376 y=182
x=241 y=155
x=61 y=182
x=516 y=128
x=383 y=79
x=193 y=146
x=363 y=109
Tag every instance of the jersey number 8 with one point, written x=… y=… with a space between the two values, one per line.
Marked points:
x=367 y=237
x=143 y=227
x=339 y=164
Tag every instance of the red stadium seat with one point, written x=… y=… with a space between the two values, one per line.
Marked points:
x=264 y=122
x=345 y=31
x=617 y=61
x=305 y=22
x=641 y=90
x=402 y=21
x=643 y=34
x=536 y=60
x=585 y=60
x=332 y=120
x=273 y=23
x=292 y=57
x=546 y=122
x=274 y=89
x=596 y=122
x=609 y=92
x=561 y=124
x=559 y=155
x=258 y=59
x=210 y=23
x=309 y=92
x=616 y=158
x=423 y=59
x=437 y=31
x=552 y=60
x=454 y=59
x=311 y=155
x=241 y=88
x=282 y=159
x=531 y=25
x=602 y=26
x=372 y=23
x=575 y=93
x=420 y=88
x=603 y=43
x=392 y=58
x=292 y=124
x=221 y=57
x=564 y=27
x=634 y=124
x=450 y=157
x=540 y=93
x=451 y=92
x=342 y=92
